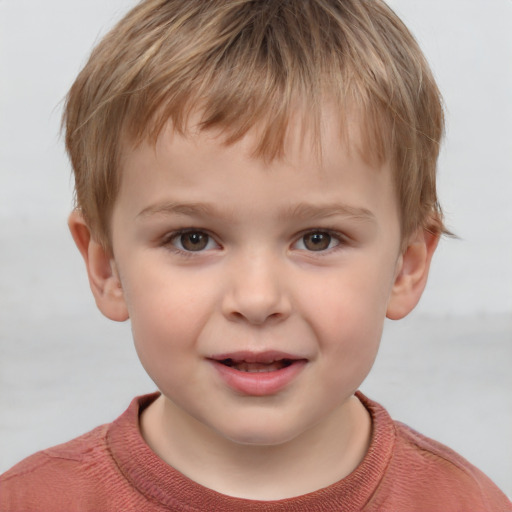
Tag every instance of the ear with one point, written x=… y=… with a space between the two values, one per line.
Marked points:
x=101 y=269
x=412 y=273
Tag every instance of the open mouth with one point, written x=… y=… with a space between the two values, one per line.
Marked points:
x=257 y=367
x=258 y=373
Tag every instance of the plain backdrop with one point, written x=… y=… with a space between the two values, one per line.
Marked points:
x=445 y=370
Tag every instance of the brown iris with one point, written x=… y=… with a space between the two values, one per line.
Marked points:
x=317 y=241
x=194 y=241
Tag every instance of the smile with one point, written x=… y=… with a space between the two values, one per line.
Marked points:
x=260 y=374
x=244 y=366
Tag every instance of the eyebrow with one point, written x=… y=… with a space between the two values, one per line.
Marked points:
x=169 y=208
x=300 y=211
x=314 y=211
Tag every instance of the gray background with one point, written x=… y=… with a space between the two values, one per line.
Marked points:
x=445 y=370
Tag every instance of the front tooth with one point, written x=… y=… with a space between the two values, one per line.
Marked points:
x=258 y=367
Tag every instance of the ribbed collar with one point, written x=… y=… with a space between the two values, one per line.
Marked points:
x=158 y=481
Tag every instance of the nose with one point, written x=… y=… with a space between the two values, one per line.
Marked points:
x=256 y=291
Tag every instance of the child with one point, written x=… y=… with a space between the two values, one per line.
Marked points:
x=255 y=185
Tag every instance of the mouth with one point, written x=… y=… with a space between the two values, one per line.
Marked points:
x=258 y=366
x=258 y=374
x=257 y=362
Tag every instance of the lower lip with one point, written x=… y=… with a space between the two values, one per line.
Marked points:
x=259 y=383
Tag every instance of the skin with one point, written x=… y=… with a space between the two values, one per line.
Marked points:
x=258 y=283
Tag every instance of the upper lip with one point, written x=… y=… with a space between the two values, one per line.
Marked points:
x=267 y=356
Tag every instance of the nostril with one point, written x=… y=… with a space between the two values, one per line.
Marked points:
x=257 y=319
x=256 y=307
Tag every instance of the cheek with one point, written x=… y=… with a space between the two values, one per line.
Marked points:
x=349 y=298
x=163 y=296
x=347 y=313
x=167 y=313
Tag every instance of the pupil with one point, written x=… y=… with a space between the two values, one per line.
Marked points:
x=194 y=241
x=317 y=241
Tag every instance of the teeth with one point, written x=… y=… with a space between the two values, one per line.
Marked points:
x=244 y=366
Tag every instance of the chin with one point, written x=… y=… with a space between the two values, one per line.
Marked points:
x=259 y=435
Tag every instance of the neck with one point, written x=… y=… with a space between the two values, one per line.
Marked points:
x=317 y=458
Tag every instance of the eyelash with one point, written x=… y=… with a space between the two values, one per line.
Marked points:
x=168 y=240
x=341 y=239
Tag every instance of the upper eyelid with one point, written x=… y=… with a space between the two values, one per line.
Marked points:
x=343 y=242
x=177 y=232
x=342 y=237
x=333 y=232
x=168 y=238
x=330 y=231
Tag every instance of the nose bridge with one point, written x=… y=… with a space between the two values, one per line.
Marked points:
x=257 y=290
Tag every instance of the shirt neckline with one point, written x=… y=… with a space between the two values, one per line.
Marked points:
x=155 y=479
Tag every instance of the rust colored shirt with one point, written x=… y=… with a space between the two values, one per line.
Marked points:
x=112 y=469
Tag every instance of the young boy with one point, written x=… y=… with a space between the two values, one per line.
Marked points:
x=255 y=185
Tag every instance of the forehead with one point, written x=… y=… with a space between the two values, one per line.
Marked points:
x=306 y=132
x=202 y=166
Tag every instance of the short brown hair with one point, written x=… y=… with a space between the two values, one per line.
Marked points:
x=245 y=63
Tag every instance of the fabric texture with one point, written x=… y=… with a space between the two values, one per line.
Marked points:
x=111 y=468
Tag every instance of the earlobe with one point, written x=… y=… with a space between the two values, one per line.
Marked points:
x=101 y=270
x=412 y=274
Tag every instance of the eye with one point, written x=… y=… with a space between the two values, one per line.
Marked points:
x=317 y=241
x=192 y=241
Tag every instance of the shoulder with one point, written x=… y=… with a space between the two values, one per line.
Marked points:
x=424 y=475
x=432 y=456
x=433 y=475
x=71 y=453
x=55 y=474
x=82 y=474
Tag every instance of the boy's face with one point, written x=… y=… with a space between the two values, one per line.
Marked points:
x=257 y=293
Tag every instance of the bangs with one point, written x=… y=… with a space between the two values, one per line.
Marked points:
x=271 y=66
x=243 y=64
